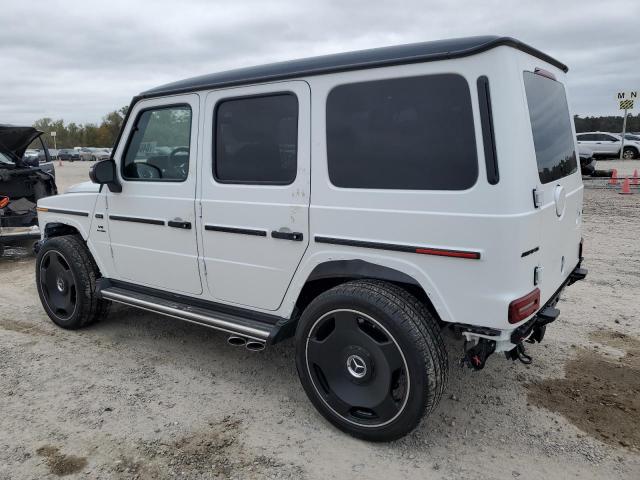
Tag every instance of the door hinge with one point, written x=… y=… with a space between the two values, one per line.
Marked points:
x=111 y=250
x=200 y=209
x=538 y=198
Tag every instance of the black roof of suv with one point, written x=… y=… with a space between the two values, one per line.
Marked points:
x=340 y=62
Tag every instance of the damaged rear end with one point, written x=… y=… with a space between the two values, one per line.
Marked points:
x=22 y=184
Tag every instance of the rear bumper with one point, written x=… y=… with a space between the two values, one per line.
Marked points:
x=548 y=313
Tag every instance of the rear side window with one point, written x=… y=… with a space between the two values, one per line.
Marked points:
x=411 y=133
x=551 y=127
x=256 y=140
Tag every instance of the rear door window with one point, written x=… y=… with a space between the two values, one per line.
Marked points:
x=551 y=127
x=256 y=140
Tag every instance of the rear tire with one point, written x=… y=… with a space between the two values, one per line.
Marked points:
x=66 y=277
x=371 y=359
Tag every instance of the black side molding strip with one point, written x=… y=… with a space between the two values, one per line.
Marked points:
x=488 y=136
x=65 y=212
x=440 y=252
x=149 y=221
x=241 y=231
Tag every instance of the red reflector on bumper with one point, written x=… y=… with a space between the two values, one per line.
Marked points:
x=522 y=307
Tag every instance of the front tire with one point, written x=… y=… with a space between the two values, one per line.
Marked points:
x=371 y=359
x=66 y=277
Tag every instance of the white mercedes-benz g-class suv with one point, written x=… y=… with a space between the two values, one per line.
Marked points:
x=360 y=203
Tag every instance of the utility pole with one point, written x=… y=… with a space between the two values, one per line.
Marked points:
x=624 y=130
x=625 y=102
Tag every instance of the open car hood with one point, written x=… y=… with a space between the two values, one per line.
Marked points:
x=15 y=140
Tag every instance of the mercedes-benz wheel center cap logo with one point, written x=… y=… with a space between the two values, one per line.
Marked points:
x=356 y=366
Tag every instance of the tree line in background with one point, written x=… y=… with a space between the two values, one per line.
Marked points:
x=104 y=135
x=78 y=135
x=606 y=124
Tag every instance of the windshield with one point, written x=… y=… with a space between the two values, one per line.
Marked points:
x=551 y=127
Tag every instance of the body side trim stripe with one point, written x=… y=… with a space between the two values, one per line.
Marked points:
x=242 y=231
x=65 y=212
x=149 y=221
x=440 y=252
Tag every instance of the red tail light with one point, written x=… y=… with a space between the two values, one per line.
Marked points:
x=4 y=201
x=522 y=307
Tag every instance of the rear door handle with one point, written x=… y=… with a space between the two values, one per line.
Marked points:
x=294 y=236
x=179 y=224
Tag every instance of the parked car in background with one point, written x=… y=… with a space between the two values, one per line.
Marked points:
x=22 y=184
x=85 y=153
x=635 y=137
x=605 y=144
x=102 y=154
x=587 y=160
x=42 y=155
x=92 y=154
x=68 y=154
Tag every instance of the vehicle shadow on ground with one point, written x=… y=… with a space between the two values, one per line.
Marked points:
x=155 y=339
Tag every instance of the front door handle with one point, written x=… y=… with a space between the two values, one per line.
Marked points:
x=179 y=224
x=295 y=236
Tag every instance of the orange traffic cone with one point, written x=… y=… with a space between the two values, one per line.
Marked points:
x=626 y=189
x=614 y=177
x=634 y=180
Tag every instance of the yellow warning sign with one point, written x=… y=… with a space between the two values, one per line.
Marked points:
x=626 y=104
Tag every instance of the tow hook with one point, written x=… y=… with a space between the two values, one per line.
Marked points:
x=518 y=353
x=537 y=334
x=476 y=356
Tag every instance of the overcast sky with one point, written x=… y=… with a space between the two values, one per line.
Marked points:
x=77 y=60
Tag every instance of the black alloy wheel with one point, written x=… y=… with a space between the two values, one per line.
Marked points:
x=66 y=279
x=58 y=284
x=357 y=368
x=371 y=358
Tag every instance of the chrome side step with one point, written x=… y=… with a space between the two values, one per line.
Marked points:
x=259 y=331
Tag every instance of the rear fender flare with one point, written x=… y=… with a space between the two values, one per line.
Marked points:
x=336 y=263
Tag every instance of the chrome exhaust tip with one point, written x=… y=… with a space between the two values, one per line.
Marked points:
x=236 y=341
x=255 y=346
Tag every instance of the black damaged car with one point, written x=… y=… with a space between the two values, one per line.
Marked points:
x=23 y=181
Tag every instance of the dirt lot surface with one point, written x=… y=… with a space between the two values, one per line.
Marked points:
x=144 y=396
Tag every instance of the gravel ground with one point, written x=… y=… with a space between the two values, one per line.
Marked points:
x=144 y=396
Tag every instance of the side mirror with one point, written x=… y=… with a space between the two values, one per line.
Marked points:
x=104 y=173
